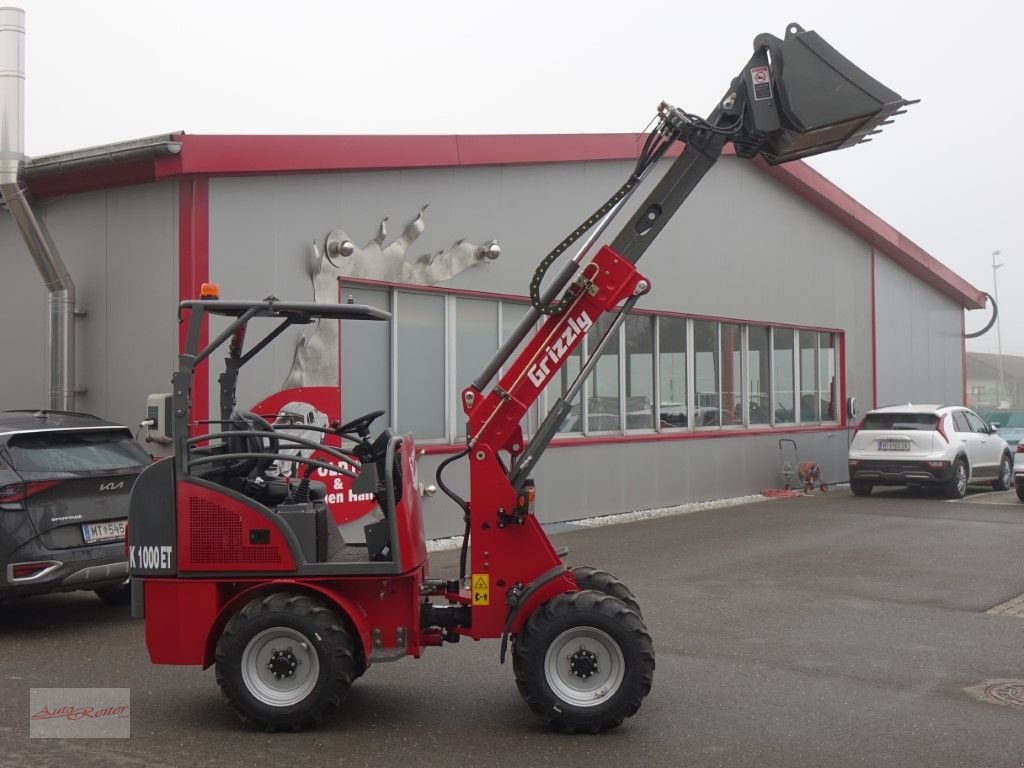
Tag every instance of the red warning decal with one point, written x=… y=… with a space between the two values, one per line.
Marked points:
x=761 y=78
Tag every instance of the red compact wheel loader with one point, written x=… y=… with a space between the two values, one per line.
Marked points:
x=244 y=569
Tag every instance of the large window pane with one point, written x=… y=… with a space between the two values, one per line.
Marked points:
x=603 y=383
x=758 y=374
x=639 y=372
x=705 y=373
x=366 y=359
x=810 y=406
x=784 y=397
x=476 y=341
x=672 y=370
x=827 y=376
x=419 y=321
x=732 y=373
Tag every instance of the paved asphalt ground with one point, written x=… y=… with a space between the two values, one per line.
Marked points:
x=820 y=631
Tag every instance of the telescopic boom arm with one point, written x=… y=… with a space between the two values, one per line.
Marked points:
x=795 y=97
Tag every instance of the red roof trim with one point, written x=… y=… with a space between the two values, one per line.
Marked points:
x=230 y=155
x=308 y=154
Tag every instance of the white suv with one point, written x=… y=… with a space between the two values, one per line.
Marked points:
x=947 y=446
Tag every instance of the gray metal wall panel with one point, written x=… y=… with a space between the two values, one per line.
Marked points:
x=742 y=247
x=920 y=347
x=23 y=313
x=121 y=249
x=580 y=481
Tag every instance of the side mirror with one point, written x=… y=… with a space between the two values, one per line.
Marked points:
x=993 y=427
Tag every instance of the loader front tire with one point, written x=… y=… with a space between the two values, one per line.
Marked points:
x=584 y=662
x=285 y=661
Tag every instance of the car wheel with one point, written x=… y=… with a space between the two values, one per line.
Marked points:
x=861 y=487
x=285 y=661
x=1005 y=477
x=1020 y=491
x=585 y=662
x=956 y=486
x=119 y=595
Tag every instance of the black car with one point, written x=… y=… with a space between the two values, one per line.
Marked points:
x=65 y=479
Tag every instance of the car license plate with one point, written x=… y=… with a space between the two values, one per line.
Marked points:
x=894 y=445
x=93 y=533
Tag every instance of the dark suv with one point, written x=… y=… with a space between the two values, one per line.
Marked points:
x=65 y=479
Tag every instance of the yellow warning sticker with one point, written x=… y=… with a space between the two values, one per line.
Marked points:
x=481 y=584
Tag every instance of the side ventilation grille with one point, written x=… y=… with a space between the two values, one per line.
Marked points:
x=216 y=537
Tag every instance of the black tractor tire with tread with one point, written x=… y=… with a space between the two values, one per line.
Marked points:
x=585 y=611
x=861 y=487
x=322 y=628
x=588 y=577
x=956 y=486
x=1004 y=481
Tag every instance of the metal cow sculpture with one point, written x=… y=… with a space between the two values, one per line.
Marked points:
x=316 y=356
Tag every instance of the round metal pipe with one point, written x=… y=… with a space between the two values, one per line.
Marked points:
x=12 y=93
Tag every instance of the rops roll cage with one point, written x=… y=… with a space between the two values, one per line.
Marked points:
x=241 y=312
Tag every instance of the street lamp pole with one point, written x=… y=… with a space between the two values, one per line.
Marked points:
x=999 y=330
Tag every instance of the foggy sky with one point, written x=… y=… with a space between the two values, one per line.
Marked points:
x=946 y=175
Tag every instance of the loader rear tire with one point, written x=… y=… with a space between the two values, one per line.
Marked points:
x=584 y=662
x=607 y=583
x=285 y=661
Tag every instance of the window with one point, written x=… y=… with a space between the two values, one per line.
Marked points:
x=76 y=452
x=705 y=373
x=639 y=360
x=732 y=374
x=827 y=376
x=476 y=341
x=960 y=423
x=810 y=405
x=420 y=381
x=366 y=359
x=977 y=425
x=603 y=412
x=758 y=375
x=672 y=371
x=783 y=381
x=883 y=422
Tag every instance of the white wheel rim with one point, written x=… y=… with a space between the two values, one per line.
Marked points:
x=961 y=478
x=584 y=667
x=280 y=667
x=1004 y=473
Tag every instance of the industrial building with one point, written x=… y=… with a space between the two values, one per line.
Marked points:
x=779 y=305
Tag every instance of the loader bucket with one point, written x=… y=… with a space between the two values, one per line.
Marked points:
x=818 y=100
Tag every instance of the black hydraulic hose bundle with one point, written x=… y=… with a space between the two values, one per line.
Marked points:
x=461 y=502
x=657 y=143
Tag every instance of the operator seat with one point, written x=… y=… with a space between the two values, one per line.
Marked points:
x=248 y=476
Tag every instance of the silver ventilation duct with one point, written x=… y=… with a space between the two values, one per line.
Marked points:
x=61 y=289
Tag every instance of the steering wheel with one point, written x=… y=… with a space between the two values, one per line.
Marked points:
x=248 y=421
x=360 y=425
